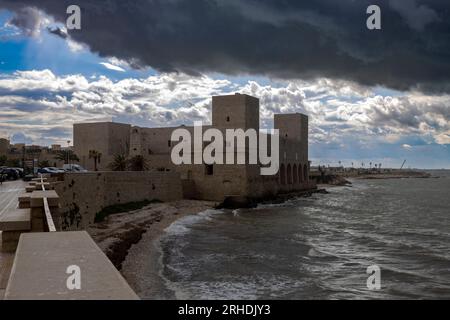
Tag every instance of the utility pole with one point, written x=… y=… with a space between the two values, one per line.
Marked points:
x=23 y=159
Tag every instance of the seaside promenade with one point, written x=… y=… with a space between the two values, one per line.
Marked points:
x=9 y=193
x=36 y=259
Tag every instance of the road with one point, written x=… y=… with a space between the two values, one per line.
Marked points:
x=9 y=193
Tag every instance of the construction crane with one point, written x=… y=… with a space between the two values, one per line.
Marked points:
x=403 y=164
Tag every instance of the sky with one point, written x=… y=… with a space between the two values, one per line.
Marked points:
x=379 y=96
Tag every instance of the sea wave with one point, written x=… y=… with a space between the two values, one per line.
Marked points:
x=183 y=225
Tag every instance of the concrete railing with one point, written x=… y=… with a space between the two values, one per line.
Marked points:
x=44 y=257
x=47 y=213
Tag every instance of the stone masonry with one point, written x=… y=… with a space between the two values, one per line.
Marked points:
x=214 y=182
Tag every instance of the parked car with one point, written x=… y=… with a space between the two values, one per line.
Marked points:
x=20 y=171
x=73 y=168
x=10 y=173
x=50 y=170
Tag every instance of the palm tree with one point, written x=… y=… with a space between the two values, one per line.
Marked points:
x=96 y=155
x=119 y=163
x=44 y=164
x=66 y=156
x=138 y=163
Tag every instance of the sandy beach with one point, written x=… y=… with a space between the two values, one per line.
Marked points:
x=130 y=240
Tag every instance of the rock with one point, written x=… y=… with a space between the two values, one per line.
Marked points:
x=236 y=202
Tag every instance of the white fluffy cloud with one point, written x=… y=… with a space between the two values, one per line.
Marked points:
x=113 y=67
x=44 y=106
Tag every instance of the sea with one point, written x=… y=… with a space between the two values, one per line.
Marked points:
x=326 y=246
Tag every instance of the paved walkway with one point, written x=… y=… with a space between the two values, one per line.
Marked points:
x=43 y=258
x=9 y=192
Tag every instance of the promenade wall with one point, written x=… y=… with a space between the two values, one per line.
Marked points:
x=83 y=195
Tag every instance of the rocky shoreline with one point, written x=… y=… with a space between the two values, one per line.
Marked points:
x=119 y=232
x=407 y=175
x=341 y=178
x=129 y=239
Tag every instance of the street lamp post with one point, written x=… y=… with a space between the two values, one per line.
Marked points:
x=68 y=154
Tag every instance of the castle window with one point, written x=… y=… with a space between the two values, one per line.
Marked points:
x=228 y=119
x=169 y=143
x=209 y=170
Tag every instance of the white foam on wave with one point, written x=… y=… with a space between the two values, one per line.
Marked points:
x=316 y=253
x=182 y=226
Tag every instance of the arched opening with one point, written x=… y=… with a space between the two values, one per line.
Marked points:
x=300 y=173
x=305 y=173
x=289 y=174
x=295 y=173
x=282 y=174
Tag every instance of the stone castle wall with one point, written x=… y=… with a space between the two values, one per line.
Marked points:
x=215 y=182
x=85 y=194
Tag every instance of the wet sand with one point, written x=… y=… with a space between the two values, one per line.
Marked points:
x=130 y=240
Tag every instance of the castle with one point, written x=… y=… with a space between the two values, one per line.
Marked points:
x=203 y=181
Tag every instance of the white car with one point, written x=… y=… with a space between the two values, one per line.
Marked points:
x=73 y=168
x=50 y=170
x=55 y=170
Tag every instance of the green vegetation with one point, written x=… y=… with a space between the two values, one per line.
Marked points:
x=66 y=156
x=44 y=164
x=136 y=163
x=122 y=207
x=119 y=164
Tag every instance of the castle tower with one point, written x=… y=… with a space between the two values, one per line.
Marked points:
x=235 y=111
x=292 y=126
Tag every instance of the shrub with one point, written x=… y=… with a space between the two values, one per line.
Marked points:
x=122 y=207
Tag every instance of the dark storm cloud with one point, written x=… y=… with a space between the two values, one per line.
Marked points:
x=288 y=38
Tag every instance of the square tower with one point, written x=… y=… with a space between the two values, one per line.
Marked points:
x=293 y=129
x=292 y=126
x=238 y=111
x=108 y=138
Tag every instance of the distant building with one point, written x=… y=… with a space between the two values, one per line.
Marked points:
x=18 y=146
x=212 y=182
x=4 y=146
x=56 y=147
x=31 y=155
